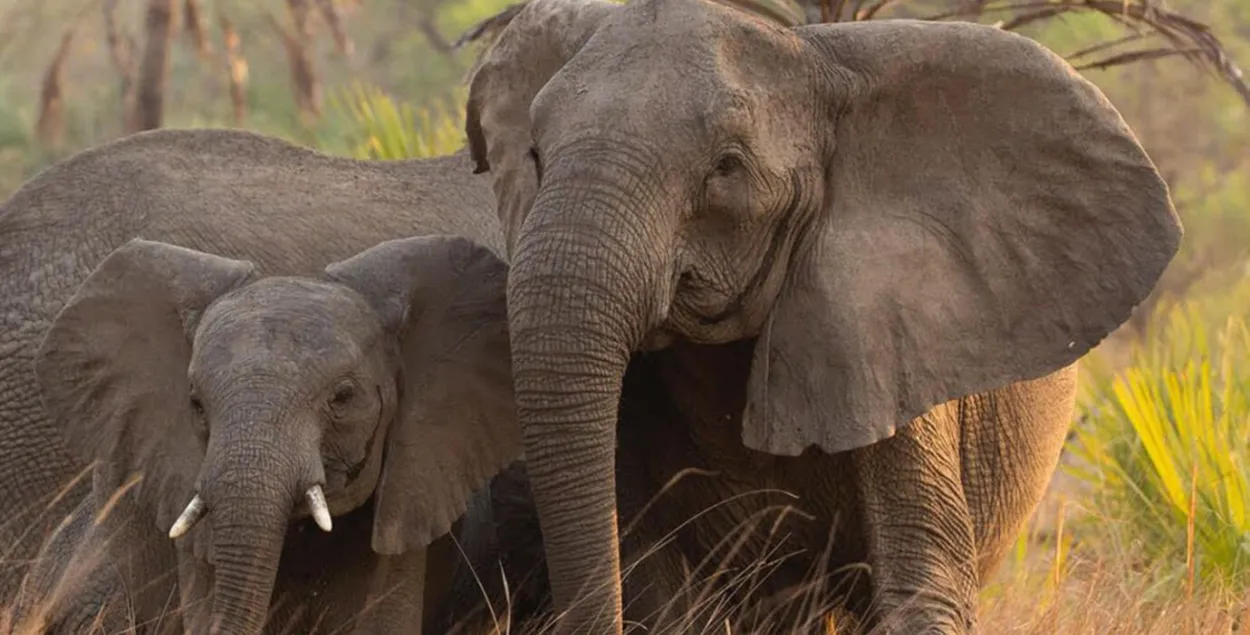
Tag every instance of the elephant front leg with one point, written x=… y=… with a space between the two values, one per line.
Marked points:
x=918 y=529
x=396 y=598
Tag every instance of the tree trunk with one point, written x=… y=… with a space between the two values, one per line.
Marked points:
x=154 y=66
x=236 y=71
x=297 y=42
x=51 y=127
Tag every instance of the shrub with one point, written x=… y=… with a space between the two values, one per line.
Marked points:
x=372 y=125
x=1163 y=444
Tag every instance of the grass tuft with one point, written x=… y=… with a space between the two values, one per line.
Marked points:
x=1164 y=443
x=381 y=128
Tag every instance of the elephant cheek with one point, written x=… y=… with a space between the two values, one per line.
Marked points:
x=349 y=489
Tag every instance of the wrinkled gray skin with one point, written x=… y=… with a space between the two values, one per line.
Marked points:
x=868 y=255
x=285 y=346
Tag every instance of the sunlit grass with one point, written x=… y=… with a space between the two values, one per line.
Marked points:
x=1164 y=443
x=382 y=128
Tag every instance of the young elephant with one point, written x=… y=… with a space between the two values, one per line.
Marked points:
x=289 y=209
x=226 y=404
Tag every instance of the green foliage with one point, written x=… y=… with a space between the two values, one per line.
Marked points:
x=1164 y=443
x=379 y=127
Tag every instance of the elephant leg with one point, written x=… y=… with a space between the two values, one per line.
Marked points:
x=918 y=528
x=1012 y=440
x=396 y=598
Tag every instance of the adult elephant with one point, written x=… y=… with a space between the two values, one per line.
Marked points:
x=869 y=255
x=116 y=367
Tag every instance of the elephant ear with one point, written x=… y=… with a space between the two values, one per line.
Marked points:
x=539 y=39
x=988 y=218
x=456 y=425
x=112 y=367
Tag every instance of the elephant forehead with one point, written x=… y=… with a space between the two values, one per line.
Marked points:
x=289 y=322
x=715 y=58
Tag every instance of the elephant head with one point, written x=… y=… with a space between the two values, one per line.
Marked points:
x=896 y=213
x=247 y=400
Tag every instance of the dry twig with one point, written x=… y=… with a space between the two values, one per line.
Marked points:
x=1182 y=36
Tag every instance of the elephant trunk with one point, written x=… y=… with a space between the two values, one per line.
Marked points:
x=248 y=534
x=249 y=486
x=586 y=286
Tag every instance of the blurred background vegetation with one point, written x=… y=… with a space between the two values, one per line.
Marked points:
x=1152 y=502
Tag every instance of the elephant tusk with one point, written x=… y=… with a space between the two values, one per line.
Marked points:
x=317 y=503
x=191 y=515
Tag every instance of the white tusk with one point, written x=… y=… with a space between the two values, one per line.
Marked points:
x=191 y=515
x=317 y=503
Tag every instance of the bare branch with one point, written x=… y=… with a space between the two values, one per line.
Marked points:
x=1136 y=56
x=1105 y=45
x=1186 y=37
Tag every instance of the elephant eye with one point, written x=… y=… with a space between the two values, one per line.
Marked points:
x=343 y=395
x=727 y=163
x=197 y=405
x=538 y=164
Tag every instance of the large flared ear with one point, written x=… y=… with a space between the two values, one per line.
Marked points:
x=988 y=218
x=112 y=368
x=539 y=39
x=456 y=424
